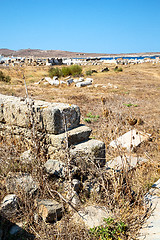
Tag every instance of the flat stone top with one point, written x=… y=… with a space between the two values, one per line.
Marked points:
x=130 y=139
x=37 y=103
x=50 y=117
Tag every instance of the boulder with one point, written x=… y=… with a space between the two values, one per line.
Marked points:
x=50 y=210
x=21 y=182
x=92 y=147
x=92 y=216
x=10 y=205
x=54 y=167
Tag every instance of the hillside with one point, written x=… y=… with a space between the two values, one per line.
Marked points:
x=60 y=53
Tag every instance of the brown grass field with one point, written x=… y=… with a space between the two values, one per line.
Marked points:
x=137 y=96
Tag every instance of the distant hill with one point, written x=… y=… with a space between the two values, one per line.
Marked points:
x=58 y=53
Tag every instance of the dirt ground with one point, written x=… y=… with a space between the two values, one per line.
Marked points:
x=132 y=93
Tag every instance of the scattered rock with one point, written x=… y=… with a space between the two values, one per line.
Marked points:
x=50 y=210
x=54 y=167
x=150 y=229
x=92 y=147
x=105 y=69
x=91 y=187
x=73 y=198
x=21 y=181
x=53 y=81
x=130 y=140
x=125 y=162
x=26 y=156
x=10 y=205
x=76 y=184
x=94 y=71
x=69 y=81
x=83 y=84
x=92 y=216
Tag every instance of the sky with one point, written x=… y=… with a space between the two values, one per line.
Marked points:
x=93 y=26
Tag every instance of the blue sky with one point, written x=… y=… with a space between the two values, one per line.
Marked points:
x=99 y=26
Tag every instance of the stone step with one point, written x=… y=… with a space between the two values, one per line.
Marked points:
x=91 y=147
x=75 y=136
x=47 y=116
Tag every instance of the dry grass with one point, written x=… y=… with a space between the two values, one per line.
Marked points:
x=122 y=192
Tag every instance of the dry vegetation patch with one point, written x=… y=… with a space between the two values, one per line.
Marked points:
x=134 y=104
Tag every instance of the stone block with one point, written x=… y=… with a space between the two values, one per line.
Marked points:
x=9 y=206
x=93 y=148
x=47 y=116
x=75 y=136
x=50 y=210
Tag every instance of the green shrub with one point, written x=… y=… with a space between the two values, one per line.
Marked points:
x=75 y=70
x=66 y=71
x=4 y=78
x=55 y=72
x=88 y=72
x=91 y=118
x=112 y=230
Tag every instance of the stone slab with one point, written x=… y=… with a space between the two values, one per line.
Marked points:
x=130 y=140
x=125 y=162
x=47 y=116
x=75 y=136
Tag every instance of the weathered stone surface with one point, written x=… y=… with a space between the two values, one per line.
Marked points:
x=54 y=167
x=47 y=116
x=91 y=147
x=151 y=228
x=76 y=184
x=26 y=156
x=50 y=210
x=9 y=206
x=75 y=136
x=73 y=198
x=91 y=187
x=125 y=162
x=21 y=181
x=83 y=84
x=130 y=140
x=92 y=216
